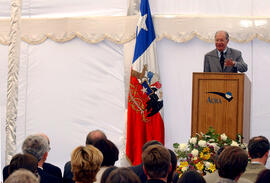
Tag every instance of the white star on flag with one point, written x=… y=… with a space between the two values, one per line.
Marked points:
x=144 y=90
x=142 y=24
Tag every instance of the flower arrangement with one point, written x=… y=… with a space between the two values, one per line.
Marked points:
x=199 y=153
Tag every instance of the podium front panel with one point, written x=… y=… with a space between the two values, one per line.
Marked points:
x=217 y=101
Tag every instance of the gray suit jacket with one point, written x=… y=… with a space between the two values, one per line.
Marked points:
x=212 y=63
x=252 y=171
x=214 y=177
x=224 y=180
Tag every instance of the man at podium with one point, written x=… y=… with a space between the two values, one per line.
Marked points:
x=224 y=59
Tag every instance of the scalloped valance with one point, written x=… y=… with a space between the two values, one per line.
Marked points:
x=121 y=29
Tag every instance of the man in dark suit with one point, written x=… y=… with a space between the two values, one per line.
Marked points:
x=38 y=146
x=91 y=138
x=224 y=59
x=138 y=170
x=48 y=167
x=156 y=163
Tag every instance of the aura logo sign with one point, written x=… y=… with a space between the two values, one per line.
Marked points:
x=214 y=100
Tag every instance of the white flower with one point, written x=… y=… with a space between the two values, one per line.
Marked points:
x=234 y=143
x=207 y=164
x=223 y=137
x=182 y=147
x=184 y=169
x=202 y=143
x=193 y=140
x=215 y=146
x=195 y=152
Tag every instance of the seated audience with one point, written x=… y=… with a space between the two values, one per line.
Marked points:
x=106 y=173
x=156 y=163
x=264 y=176
x=26 y=161
x=258 y=150
x=91 y=138
x=231 y=164
x=122 y=175
x=22 y=176
x=138 y=170
x=85 y=163
x=38 y=146
x=213 y=177
x=110 y=155
x=191 y=176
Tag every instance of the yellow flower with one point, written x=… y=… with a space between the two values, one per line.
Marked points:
x=201 y=154
x=207 y=156
x=206 y=149
x=212 y=168
x=183 y=164
x=199 y=166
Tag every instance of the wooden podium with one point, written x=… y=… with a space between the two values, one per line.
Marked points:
x=221 y=100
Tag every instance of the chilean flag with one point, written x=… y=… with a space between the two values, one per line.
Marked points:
x=145 y=103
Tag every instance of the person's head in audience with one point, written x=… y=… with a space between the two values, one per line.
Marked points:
x=36 y=145
x=106 y=173
x=190 y=177
x=232 y=163
x=47 y=138
x=174 y=166
x=264 y=176
x=258 y=149
x=94 y=136
x=22 y=176
x=156 y=161
x=85 y=163
x=122 y=175
x=149 y=143
x=26 y=161
x=109 y=151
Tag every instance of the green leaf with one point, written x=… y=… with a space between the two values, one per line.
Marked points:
x=175 y=145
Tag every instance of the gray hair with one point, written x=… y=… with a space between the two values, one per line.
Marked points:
x=22 y=176
x=226 y=34
x=35 y=145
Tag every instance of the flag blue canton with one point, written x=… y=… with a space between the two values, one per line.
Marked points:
x=144 y=38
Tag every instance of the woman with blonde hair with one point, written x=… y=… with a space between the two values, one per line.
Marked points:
x=85 y=163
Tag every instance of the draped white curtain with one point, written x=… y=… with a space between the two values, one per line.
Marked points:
x=68 y=88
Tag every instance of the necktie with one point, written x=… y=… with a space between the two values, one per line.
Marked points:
x=222 y=58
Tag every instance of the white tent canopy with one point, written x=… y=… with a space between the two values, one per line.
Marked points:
x=75 y=59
